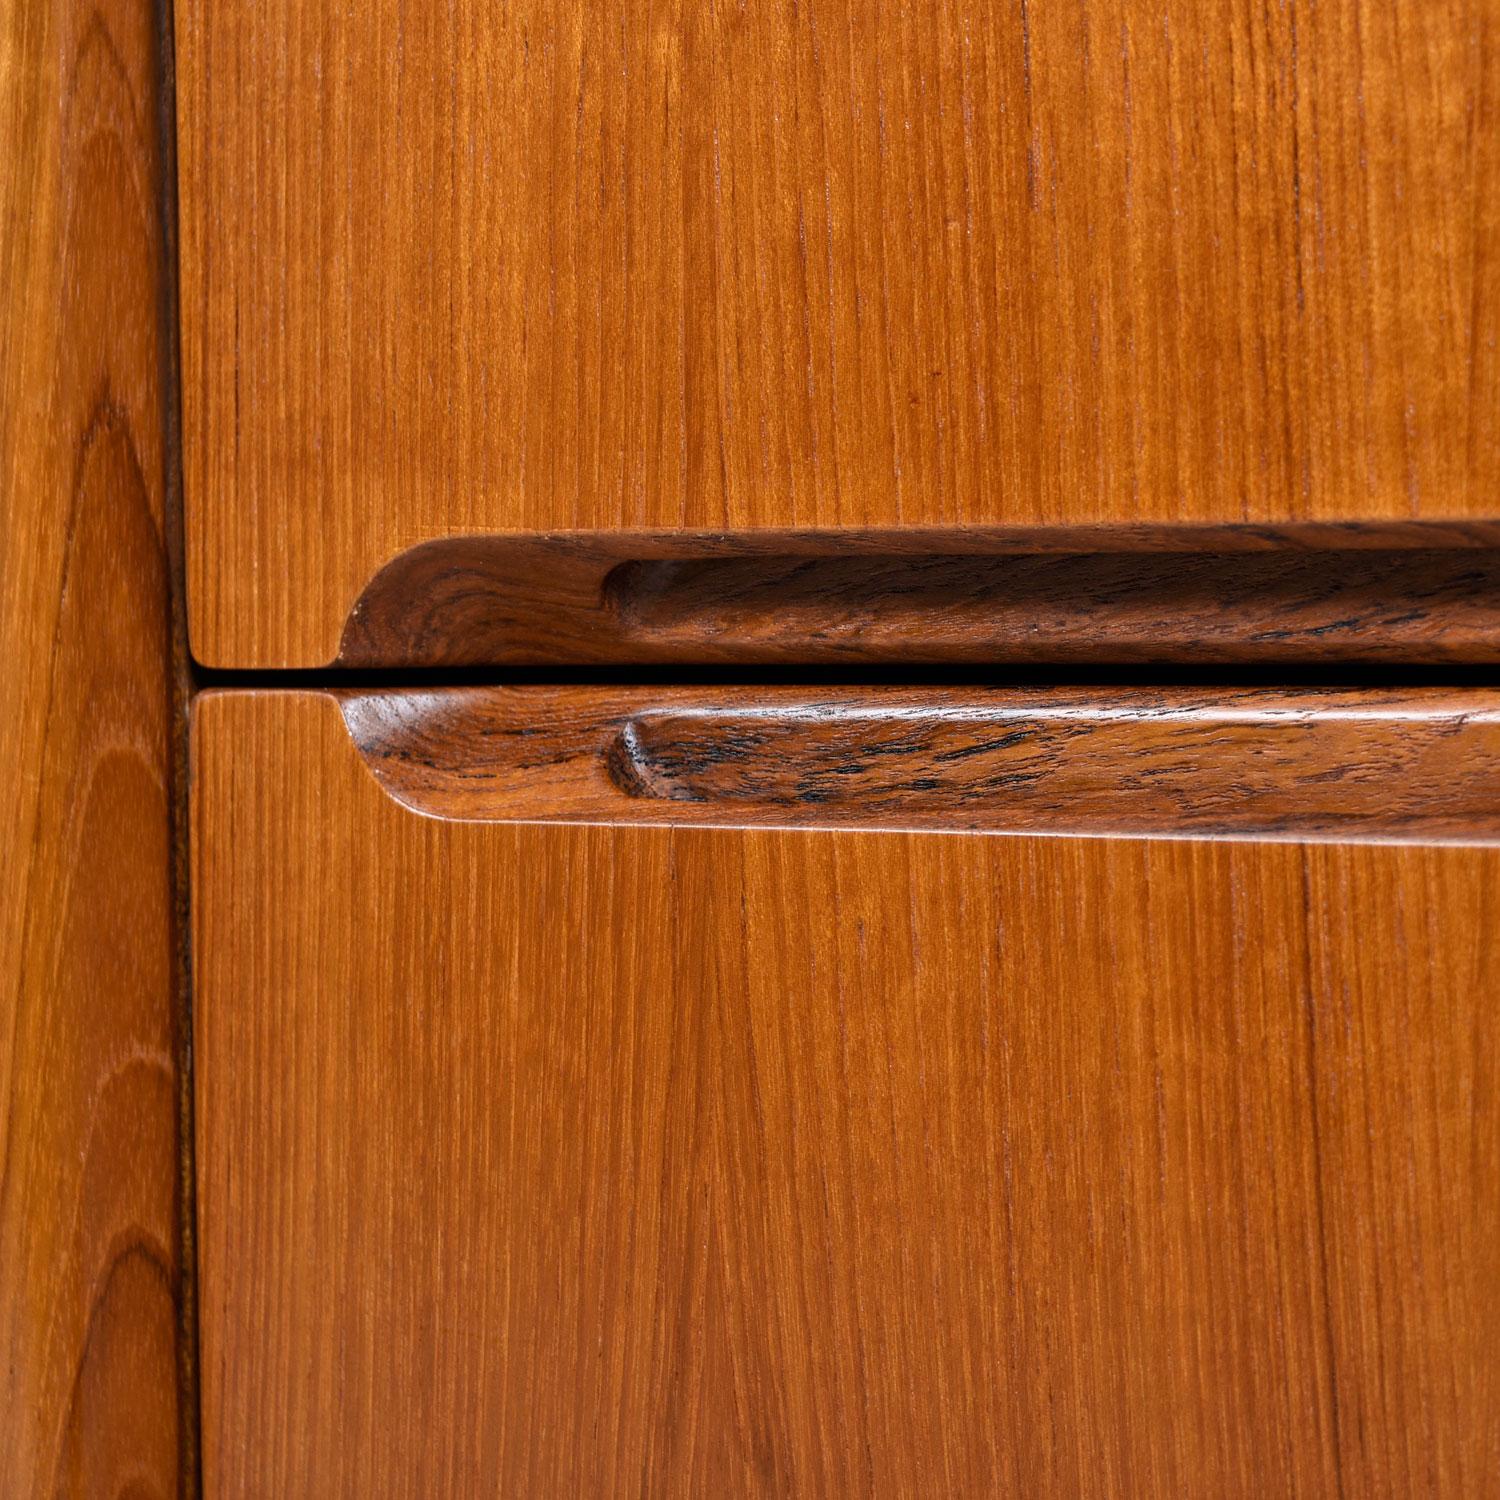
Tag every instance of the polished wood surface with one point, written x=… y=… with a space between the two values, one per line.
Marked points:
x=1363 y=763
x=469 y=268
x=600 y=1161
x=90 y=1265
x=1412 y=593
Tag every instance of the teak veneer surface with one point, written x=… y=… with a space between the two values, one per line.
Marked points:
x=90 y=1265
x=544 y=1160
x=471 y=268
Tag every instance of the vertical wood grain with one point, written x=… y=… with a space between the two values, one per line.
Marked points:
x=600 y=1161
x=548 y=265
x=90 y=1271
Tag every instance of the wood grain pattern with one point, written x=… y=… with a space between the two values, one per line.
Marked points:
x=1412 y=594
x=90 y=1268
x=607 y=1161
x=1419 y=764
x=471 y=268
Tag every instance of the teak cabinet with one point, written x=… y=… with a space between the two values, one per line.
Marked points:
x=757 y=749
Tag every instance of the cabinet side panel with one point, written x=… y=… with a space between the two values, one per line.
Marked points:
x=90 y=1268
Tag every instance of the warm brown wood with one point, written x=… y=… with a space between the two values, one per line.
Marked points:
x=90 y=1268
x=1350 y=764
x=1413 y=593
x=466 y=267
x=622 y=1161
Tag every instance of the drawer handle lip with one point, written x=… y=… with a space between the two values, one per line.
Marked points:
x=1362 y=764
x=1417 y=593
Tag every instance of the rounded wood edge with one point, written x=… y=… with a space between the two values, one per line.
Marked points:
x=1351 y=765
x=1414 y=593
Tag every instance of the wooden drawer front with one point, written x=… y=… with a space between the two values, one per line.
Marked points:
x=473 y=267
x=549 y=1160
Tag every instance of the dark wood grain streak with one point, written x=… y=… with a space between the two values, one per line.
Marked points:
x=1416 y=594
x=90 y=1264
x=546 y=1161
x=1347 y=764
